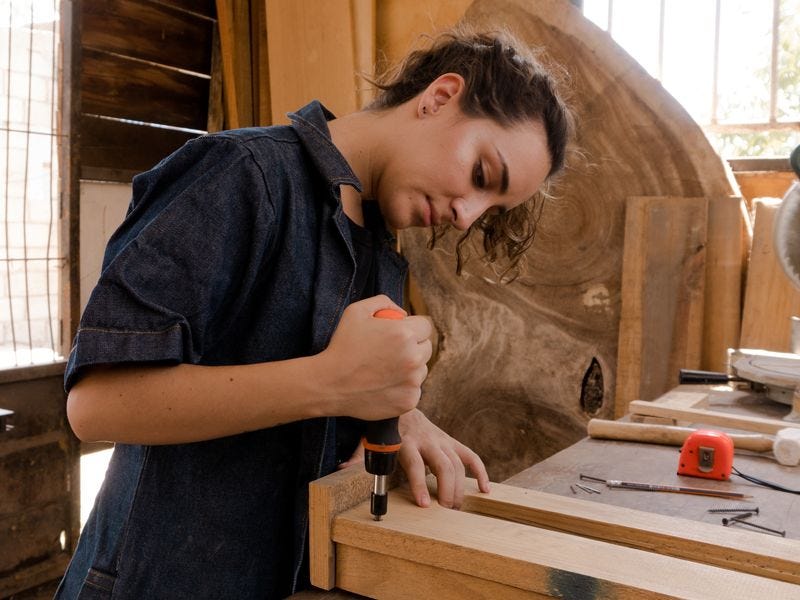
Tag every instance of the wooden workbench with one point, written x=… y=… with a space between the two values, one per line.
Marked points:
x=654 y=463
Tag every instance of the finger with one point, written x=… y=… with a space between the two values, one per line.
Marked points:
x=421 y=326
x=414 y=466
x=459 y=478
x=424 y=351
x=443 y=468
x=476 y=468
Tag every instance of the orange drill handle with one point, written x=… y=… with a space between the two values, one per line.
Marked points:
x=384 y=436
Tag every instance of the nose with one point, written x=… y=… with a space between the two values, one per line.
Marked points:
x=466 y=211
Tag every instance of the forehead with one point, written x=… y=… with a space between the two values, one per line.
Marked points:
x=522 y=147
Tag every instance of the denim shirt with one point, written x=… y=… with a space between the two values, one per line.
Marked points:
x=235 y=250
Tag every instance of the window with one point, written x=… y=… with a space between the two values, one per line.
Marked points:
x=30 y=255
x=733 y=64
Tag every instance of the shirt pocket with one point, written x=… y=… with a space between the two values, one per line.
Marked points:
x=98 y=585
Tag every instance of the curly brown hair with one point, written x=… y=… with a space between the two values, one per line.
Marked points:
x=507 y=82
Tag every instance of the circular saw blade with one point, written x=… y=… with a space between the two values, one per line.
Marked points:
x=786 y=235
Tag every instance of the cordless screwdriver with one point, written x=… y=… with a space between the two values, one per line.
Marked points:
x=381 y=445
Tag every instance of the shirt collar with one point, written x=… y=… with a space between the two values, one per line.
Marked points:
x=311 y=125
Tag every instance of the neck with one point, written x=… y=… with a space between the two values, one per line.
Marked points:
x=354 y=135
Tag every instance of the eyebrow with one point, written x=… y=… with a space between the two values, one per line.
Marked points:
x=504 y=174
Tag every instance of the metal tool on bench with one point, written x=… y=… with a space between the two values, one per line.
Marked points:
x=775 y=374
x=779 y=372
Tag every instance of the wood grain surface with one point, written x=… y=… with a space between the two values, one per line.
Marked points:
x=516 y=557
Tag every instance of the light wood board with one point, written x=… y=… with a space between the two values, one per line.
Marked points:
x=514 y=541
x=693 y=406
x=663 y=283
x=770 y=299
x=524 y=558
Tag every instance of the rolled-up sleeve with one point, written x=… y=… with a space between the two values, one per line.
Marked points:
x=198 y=230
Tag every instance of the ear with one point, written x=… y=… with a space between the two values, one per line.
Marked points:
x=441 y=91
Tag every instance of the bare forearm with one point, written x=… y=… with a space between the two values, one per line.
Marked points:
x=188 y=403
x=372 y=369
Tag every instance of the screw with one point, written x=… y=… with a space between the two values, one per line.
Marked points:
x=586 y=488
x=738 y=520
x=733 y=510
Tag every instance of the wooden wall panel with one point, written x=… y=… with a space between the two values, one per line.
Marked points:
x=149 y=31
x=311 y=55
x=402 y=23
x=116 y=86
x=39 y=507
x=142 y=61
x=117 y=151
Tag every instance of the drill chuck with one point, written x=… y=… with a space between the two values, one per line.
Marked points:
x=379 y=499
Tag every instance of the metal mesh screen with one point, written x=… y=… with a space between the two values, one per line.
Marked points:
x=30 y=256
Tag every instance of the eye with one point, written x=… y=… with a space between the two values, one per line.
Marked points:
x=478 y=177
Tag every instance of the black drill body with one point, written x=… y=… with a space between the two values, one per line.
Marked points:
x=381 y=442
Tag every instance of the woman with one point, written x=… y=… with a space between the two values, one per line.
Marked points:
x=229 y=348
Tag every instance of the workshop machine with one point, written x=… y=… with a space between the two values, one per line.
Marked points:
x=774 y=374
x=779 y=372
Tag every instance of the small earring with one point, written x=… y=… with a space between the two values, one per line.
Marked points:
x=424 y=110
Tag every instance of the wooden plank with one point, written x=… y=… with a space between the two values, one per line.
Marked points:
x=391 y=578
x=32 y=535
x=364 y=48
x=204 y=8
x=233 y=18
x=663 y=282
x=764 y=184
x=262 y=103
x=536 y=559
x=770 y=298
x=327 y=497
x=311 y=55
x=34 y=575
x=689 y=406
x=150 y=31
x=33 y=476
x=726 y=260
x=115 y=86
x=116 y=151
x=775 y=558
x=216 y=103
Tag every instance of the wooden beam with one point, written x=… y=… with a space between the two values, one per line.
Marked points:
x=364 y=31
x=726 y=258
x=770 y=299
x=311 y=55
x=531 y=558
x=233 y=17
x=327 y=497
x=663 y=282
x=771 y=557
x=692 y=406
x=392 y=578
